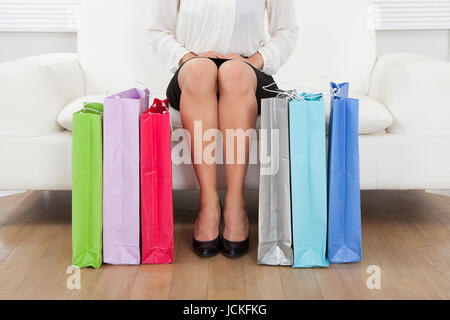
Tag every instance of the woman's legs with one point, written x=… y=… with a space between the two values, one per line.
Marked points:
x=198 y=82
x=238 y=109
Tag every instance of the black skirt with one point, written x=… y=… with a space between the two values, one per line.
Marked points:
x=174 y=92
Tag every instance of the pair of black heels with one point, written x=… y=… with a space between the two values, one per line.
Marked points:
x=231 y=249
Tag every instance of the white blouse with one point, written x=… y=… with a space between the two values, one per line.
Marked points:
x=178 y=27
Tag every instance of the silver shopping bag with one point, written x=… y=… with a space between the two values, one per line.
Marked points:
x=275 y=230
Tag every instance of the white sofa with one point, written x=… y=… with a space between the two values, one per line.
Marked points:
x=405 y=98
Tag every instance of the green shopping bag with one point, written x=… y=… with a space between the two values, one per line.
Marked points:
x=87 y=186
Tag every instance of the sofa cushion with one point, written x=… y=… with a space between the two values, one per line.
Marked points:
x=415 y=88
x=65 y=116
x=374 y=117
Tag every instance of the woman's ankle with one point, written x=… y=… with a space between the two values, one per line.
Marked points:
x=235 y=217
x=208 y=218
x=209 y=200
x=235 y=200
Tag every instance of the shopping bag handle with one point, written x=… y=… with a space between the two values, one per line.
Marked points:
x=166 y=106
x=86 y=106
x=147 y=93
x=291 y=94
x=93 y=110
x=336 y=90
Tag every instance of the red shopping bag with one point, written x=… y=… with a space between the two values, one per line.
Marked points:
x=156 y=185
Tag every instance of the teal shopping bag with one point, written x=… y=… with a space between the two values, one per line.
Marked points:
x=308 y=180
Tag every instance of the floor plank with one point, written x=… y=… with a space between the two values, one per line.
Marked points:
x=153 y=281
x=89 y=280
x=115 y=283
x=306 y=284
x=261 y=282
x=226 y=279
x=391 y=247
x=190 y=273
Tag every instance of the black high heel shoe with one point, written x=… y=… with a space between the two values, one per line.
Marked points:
x=235 y=249
x=206 y=249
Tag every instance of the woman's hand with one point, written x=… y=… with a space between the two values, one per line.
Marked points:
x=211 y=54
x=186 y=57
x=255 y=60
x=234 y=56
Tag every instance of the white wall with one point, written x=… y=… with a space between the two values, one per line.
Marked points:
x=432 y=43
x=15 y=45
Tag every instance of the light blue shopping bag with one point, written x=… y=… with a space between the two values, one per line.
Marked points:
x=308 y=180
x=344 y=202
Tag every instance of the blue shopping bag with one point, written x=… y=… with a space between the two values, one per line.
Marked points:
x=308 y=180
x=344 y=201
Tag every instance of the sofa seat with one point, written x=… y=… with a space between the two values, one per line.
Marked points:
x=387 y=160
x=36 y=163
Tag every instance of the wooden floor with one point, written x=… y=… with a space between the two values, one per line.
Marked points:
x=406 y=234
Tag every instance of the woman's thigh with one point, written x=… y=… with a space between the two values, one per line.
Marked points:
x=198 y=73
x=236 y=77
x=196 y=76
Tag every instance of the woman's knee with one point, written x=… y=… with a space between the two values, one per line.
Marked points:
x=236 y=77
x=198 y=76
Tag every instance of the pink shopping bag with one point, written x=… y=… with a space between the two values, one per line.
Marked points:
x=156 y=185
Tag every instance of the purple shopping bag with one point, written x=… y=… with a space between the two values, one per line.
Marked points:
x=121 y=169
